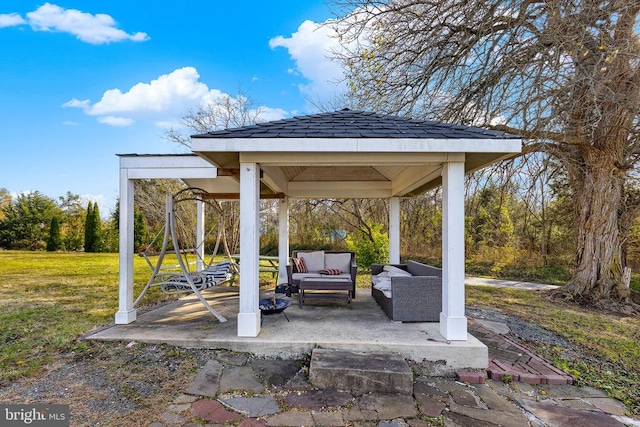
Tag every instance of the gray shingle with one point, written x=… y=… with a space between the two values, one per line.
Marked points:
x=356 y=124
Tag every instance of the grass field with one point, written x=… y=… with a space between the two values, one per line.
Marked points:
x=48 y=300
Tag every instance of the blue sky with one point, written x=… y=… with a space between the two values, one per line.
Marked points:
x=82 y=81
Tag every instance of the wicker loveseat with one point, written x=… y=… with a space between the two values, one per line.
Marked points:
x=317 y=261
x=408 y=298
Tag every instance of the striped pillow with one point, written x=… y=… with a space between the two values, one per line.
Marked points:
x=300 y=265
x=330 y=271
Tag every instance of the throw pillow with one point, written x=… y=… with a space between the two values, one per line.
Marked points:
x=300 y=265
x=398 y=271
x=330 y=271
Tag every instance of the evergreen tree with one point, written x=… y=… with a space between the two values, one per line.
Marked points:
x=98 y=242
x=54 y=242
x=89 y=232
x=92 y=229
x=140 y=233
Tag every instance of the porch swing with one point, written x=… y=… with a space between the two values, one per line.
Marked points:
x=179 y=278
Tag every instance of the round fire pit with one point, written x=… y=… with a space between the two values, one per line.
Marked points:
x=273 y=306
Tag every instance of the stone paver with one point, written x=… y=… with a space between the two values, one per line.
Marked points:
x=276 y=372
x=240 y=378
x=319 y=399
x=557 y=415
x=207 y=382
x=389 y=407
x=291 y=418
x=213 y=411
x=429 y=406
x=254 y=406
x=328 y=419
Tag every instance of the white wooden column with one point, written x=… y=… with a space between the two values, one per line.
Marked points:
x=126 y=313
x=199 y=235
x=249 y=313
x=283 y=239
x=453 y=323
x=394 y=230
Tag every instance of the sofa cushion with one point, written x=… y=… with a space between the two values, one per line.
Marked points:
x=378 y=277
x=396 y=271
x=383 y=284
x=313 y=260
x=340 y=262
x=300 y=276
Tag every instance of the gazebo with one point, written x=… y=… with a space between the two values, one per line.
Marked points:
x=342 y=154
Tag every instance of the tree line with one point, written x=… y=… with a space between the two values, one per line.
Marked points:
x=34 y=221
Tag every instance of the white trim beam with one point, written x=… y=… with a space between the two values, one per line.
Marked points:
x=355 y=145
x=340 y=189
x=169 y=167
x=345 y=158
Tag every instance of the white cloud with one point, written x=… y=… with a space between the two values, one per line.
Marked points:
x=76 y=103
x=11 y=20
x=116 y=121
x=162 y=101
x=167 y=92
x=95 y=29
x=70 y=123
x=312 y=47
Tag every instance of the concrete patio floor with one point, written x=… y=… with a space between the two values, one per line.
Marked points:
x=360 y=326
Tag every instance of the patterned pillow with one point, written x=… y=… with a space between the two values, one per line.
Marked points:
x=330 y=271
x=300 y=265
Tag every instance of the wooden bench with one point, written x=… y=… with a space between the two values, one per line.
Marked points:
x=324 y=288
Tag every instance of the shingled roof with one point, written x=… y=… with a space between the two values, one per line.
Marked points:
x=356 y=124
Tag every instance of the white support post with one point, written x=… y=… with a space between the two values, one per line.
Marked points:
x=394 y=230
x=199 y=235
x=126 y=313
x=249 y=313
x=283 y=239
x=453 y=323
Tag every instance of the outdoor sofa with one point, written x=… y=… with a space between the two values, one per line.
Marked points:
x=410 y=292
x=320 y=263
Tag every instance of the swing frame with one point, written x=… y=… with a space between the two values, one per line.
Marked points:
x=186 y=280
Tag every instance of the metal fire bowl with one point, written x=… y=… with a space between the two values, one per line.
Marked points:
x=281 y=304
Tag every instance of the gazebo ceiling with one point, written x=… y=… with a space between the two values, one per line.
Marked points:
x=347 y=154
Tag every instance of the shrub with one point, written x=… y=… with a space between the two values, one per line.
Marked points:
x=370 y=248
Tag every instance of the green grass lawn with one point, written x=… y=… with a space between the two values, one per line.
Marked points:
x=48 y=300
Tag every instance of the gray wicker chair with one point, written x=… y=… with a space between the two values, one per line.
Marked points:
x=417 y=298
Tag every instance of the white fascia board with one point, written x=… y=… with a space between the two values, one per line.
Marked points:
x=340 y=189
x=170 y=167
x=356 y=145
x=349 y=158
